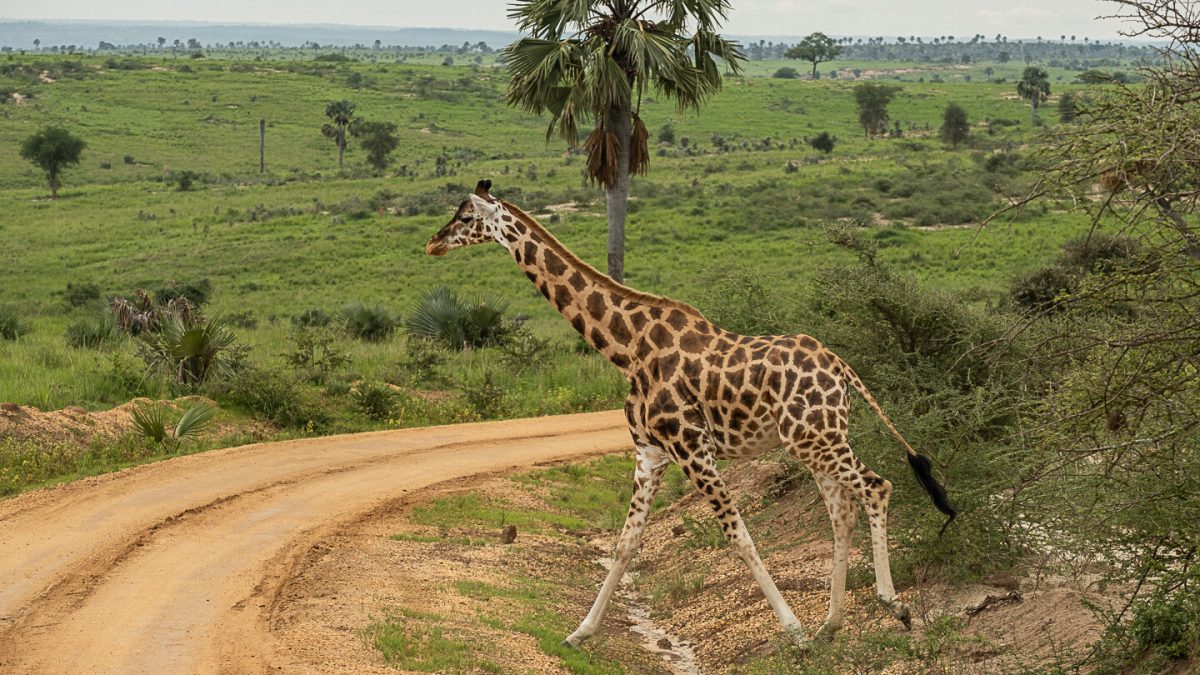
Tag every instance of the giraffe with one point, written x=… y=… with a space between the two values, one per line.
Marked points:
x=697 y=394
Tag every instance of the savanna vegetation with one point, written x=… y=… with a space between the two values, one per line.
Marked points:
x=1017 y=288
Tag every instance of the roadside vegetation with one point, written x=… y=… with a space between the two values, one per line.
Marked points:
x=991 y=233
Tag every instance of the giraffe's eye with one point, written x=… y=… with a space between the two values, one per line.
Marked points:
x=466 y=219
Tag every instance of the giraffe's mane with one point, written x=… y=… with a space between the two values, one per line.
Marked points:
x=610 y=284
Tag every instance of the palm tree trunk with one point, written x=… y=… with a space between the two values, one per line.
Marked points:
x=620 y=124
x=341 y=142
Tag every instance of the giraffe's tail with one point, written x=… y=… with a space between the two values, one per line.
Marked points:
x=921 y=466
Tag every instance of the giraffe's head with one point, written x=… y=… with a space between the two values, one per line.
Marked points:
x=476 y=221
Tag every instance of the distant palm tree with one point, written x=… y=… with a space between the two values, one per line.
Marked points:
x=341 y=115
x=1034 y=87
x=585 y=59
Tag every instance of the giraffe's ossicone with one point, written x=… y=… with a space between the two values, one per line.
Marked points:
x=697 y=394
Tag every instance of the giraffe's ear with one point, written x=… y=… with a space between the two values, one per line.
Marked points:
x=483 y=207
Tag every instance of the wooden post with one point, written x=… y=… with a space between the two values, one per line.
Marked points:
x=262 y=146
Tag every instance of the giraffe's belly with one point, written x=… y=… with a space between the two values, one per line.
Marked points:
x=745 y=438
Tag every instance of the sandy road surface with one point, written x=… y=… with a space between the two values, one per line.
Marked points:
x=174 y=567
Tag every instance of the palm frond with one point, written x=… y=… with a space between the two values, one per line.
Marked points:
x=150 y=422
x=194 y=420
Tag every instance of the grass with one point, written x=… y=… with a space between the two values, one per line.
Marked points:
x=415 y=641
x=309 y=235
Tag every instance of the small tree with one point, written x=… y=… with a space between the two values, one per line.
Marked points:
x=53 y=149
x=1068 y=108
x=816 y=48
x=1034 y=87
x=341 y=115
x=873 y=99
x=378 y=139
x=823 y=142
x=955 y=126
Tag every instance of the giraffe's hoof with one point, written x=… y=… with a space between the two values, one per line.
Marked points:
x=900 y=611
x=827 y=631
x=797 y=636
x=574 y=640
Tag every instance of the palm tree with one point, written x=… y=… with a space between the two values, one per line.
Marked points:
x=585 y=59
x=1034 y=86
x=341 y=115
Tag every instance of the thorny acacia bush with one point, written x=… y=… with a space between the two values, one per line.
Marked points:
x=1118 y=424
x=927 y=356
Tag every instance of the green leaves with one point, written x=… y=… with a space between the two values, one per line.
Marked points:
x=586 y=58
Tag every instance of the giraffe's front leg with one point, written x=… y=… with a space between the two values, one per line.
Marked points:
x=702 y=471
x=651 y=463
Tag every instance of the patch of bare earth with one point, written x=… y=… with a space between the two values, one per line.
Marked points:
x=702 y=593
x=78 y=426
x=361 y=576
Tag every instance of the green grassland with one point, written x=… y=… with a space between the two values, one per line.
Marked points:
x=744 y=188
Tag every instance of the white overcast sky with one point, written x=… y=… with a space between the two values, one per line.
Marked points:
x=889 y=18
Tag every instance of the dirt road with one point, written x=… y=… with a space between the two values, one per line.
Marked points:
x=174 y=567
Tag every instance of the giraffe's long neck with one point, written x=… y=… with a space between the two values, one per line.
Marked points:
x=604 y=312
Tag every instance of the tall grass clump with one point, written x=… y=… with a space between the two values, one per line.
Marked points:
x=11 y=324
x=372 y=324
x=92 y=332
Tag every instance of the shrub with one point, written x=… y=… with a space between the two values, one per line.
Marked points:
x=376 y=400
x=373 y=324
x=458 y=324
x=823 y=142
x=1168 y=625
x=485 y=398
x=744 y=300
x=523 y=350
x=188 y=349
x=195 y=292
x=786 y=73
x=150 y=422
x=244 y=320
x=128 y=159
x=92 y=333
x=11 y=325
x=422 y=359
x=314 y=352
x=312 y=317
x=275 y=396
x=78 y=295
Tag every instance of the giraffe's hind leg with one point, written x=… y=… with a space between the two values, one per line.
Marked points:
x=873 y=492
x=651 y=464
x=843 y=512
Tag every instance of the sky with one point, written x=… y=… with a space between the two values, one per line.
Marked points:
x=888 y=18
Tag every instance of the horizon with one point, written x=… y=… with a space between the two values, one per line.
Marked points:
x=852 y=18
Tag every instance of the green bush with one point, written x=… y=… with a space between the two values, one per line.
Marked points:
x=1168 y=625
x=485 y=398
x=188 y=349
x=79 y=295
x=376 y=400
x=277 y=397
x=312 y=317
x=421 y=362
x=373 y=324
x=11 y=325
x=314 y=352
x=456 y=323
x=196 y=292
x=93 y=332
x=744 y=300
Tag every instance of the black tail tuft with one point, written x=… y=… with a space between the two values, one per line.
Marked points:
x=923 y=469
